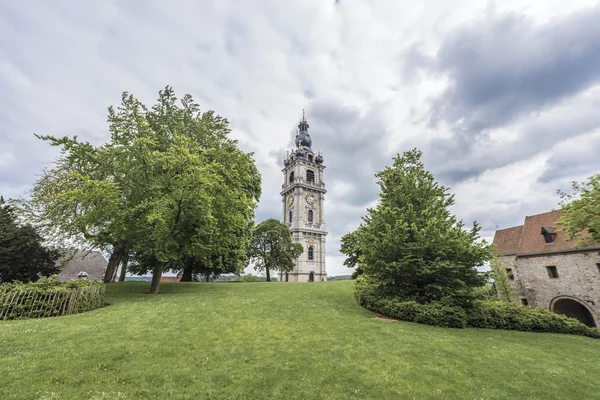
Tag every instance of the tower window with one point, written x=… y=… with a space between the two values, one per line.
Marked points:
x=552 y=271
x=310 y=158
x=310 y=216
x=311 y=253
x=290 y=216
x=291 y=176
x=310 y=176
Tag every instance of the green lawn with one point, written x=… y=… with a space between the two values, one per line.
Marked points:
x=278 y=340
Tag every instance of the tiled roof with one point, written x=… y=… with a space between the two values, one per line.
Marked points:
x=93 y=263
x=529 y=239
x=507 y=240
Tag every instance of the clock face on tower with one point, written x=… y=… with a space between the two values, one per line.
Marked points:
x=310 y=199
x=290 y=200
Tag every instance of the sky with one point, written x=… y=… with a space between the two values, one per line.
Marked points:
x=501 y=97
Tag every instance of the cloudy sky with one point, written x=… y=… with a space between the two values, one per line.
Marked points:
x=502 y=97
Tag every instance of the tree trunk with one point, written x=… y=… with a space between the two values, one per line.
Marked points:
x=207 y=278
x=124 y=268
x=268 y=274
x=113 y=263
x=156 y=275
x=187 y=274
x=114 y=276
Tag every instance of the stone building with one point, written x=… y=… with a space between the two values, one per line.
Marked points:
x=303 y=193
x=92 y=264
x=548 y=272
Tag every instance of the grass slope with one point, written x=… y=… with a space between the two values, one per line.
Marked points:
x=278 y=340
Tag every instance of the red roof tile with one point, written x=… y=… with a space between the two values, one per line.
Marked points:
x=529 y=239
x=507 y=240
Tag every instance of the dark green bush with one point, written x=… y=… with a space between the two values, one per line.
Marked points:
x=48 y=297
x=492 y=314
x=435 y=313
x=496 y=314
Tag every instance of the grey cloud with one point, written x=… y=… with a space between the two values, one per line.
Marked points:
x=505 y=66
x=573 y=161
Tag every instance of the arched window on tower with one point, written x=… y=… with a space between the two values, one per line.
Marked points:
x=310 y=158
x=310 y=216
x=291 y=176
x=311 y=253
x=290 y=216
x=310 y=176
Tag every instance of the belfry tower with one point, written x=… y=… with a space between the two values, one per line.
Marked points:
x=303 y=193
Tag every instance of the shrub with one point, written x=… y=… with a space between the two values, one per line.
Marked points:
x=497 y=314
x=434 y=313
x=492 y=314
x=249 y=278
x=48 y=297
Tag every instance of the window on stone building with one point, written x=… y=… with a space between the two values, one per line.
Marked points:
x=548 y=233
x=524 y=302
x=310 y=176
x=291 y=176
x=310 y=216
x=311 y=253
x=310 y=158
x=552 y=271
x=290 y=216
x=509 y=273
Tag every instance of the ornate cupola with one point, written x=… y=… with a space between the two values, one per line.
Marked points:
x=303 y=143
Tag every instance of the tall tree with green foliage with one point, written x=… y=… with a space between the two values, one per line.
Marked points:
x=502 y=281
x=350 y=247
x=79 y=203
x=580 y=217
x=411 y=246
x=272 y=248
x=169 y=185
x=22 y=254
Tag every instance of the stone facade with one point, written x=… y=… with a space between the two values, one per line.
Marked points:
x=554 y=276
x=303 y=195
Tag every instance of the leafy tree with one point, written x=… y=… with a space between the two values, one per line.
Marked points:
x=411 y=246
x=169 y=185
x=272 y=248
x=350 y=247
x=581 y=212
x=22 y=256
x=501 y=277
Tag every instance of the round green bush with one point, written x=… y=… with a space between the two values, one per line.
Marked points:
x=493 y=314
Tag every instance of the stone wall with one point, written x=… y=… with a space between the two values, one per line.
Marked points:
x=578 y=279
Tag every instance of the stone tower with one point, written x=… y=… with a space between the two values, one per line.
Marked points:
x=303 y=193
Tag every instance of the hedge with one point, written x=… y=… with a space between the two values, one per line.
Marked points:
x=494 y=314
x=49 y=298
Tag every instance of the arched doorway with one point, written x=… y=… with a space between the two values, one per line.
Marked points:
x=287 y=277
x=573 y=309
x=311 y=277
